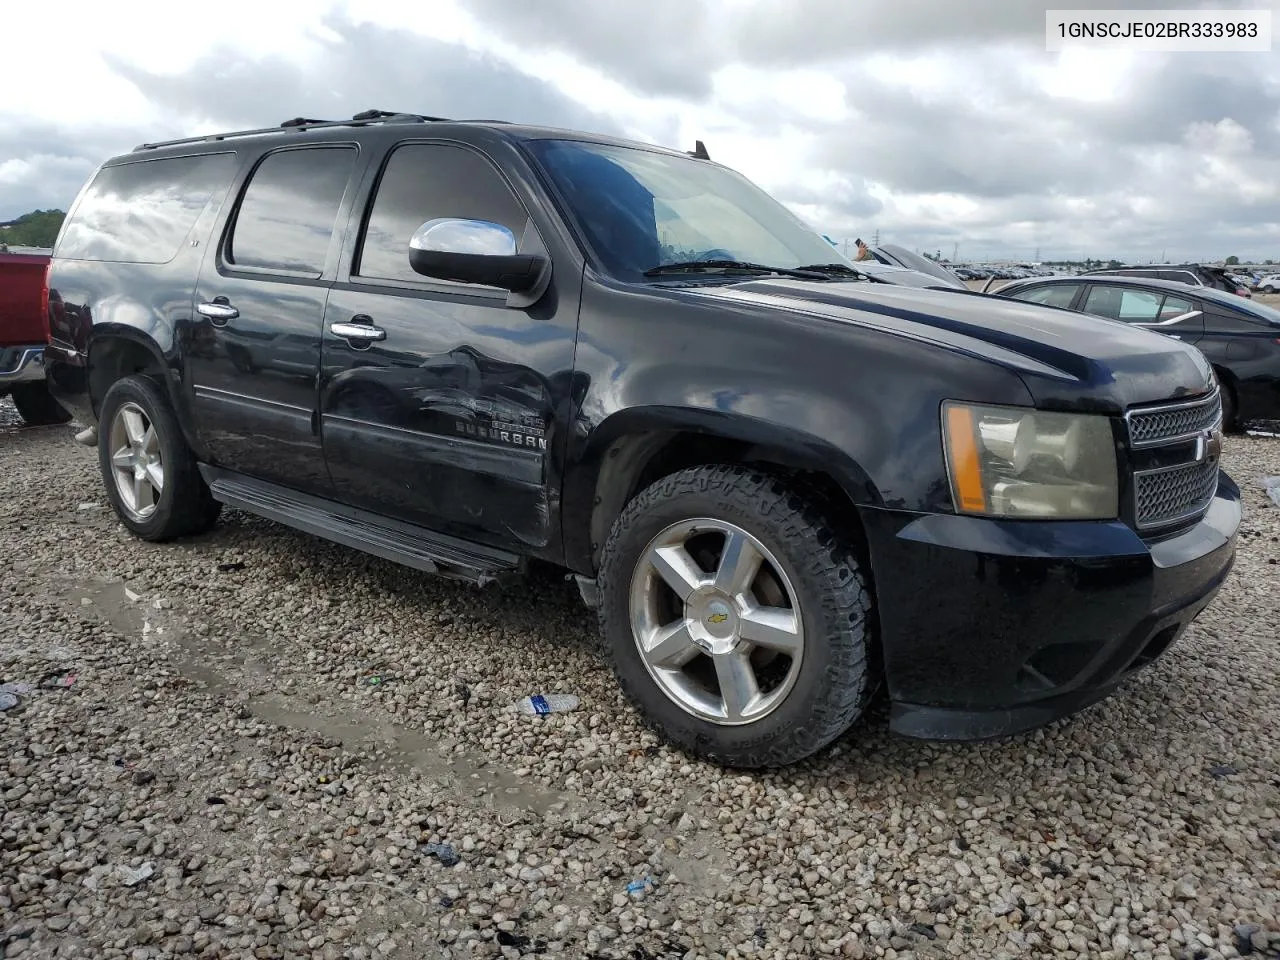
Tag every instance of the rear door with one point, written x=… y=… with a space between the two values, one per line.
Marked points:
x=254 y=351
x=446 y=412
x=1172 y=314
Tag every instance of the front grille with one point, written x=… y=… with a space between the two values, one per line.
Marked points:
x=1177 y=493
x=1174 y=456
x=1174 y=421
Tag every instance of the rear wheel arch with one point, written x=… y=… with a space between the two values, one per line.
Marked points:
x=123 y=351
x=116 y=354
x=1230 y=398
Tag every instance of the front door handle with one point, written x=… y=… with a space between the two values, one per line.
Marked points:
x=359 y=332
x=219 y=310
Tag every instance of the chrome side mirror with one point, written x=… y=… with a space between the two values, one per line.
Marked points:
x=479 y=252
x=475 y=237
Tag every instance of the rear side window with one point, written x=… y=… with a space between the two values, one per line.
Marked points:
x=1179 y=276
x=1174 y=307
x=423 y=181
x=142 y=212
x=1055 y=295
x=1126 y=305
x=287 y=215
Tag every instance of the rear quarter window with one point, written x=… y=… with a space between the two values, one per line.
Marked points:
x=1053 y=295
x=142 y=211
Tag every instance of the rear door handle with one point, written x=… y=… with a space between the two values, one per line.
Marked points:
x=364 y=332
x=219 y=310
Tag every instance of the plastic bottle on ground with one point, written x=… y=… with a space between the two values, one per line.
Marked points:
x=540 y=704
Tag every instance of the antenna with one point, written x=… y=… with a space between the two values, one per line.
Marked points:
x=700 y=150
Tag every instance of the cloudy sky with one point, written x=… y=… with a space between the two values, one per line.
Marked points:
x=934 y=124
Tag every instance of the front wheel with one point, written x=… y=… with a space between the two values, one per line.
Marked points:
x=151 y=475
x=736 y=617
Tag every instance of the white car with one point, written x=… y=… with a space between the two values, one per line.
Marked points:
x=1269 y=284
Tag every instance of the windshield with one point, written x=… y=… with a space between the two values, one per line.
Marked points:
x=639 y=209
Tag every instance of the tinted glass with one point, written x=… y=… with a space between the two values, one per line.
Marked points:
x=287 y=216
x=1056 y=295
x=639 y=208
x=1120 y=303
x=1174 y=307
x=142 y=212
x=1177 y=276
x=422 y=182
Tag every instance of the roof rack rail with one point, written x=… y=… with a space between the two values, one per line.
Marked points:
x=300 y=124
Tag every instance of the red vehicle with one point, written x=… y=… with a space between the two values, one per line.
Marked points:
x=23 y=334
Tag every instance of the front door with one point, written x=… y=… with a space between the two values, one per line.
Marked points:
x=440 y=405
x=253 y=352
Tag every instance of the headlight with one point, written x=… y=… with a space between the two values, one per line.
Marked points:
x=1016 y=462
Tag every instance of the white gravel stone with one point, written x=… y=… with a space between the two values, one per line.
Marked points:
x=287 y=802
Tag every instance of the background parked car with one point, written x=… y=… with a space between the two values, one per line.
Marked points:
x=1269 y=283
x=1240 y=338
x=894 y=255
x=23 y=337
x=1216 y=278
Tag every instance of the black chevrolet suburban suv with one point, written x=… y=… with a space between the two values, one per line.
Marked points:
x=466 y=346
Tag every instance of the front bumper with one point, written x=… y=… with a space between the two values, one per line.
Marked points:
x=993 y=627
x=21 y=364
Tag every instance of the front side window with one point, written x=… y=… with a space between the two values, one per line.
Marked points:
x=1054 y=295
x=287 y=217
x=637 y=209
x=423 y=181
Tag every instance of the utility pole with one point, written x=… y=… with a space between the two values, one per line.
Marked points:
x=875 y=238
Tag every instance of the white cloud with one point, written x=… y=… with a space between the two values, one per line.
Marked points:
x=929 y=121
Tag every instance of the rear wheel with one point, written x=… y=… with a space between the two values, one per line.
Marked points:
x=151 y=475
x=736 y=617
x=37 y=406
x=1230 y=410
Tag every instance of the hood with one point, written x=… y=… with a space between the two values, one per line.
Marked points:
x=1068 y=361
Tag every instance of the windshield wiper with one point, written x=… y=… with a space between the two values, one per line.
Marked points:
x=840 y=268
x=687 y=266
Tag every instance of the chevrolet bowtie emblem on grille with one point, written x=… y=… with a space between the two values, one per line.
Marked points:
x=1209 y=445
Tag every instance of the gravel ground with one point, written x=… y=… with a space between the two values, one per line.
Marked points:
x=222 y=733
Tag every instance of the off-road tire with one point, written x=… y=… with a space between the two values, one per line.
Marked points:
x=36 y=405
x=835 y=681
x=185 y=506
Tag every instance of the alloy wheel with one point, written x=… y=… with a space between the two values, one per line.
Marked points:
x=136 y=462
x=716 y=621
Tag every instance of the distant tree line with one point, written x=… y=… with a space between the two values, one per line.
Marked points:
x=39 y=228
